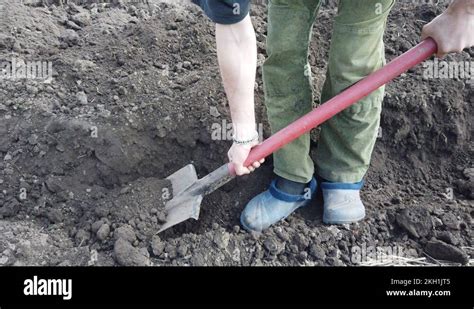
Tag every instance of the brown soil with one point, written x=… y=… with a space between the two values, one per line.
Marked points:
x=82 y=157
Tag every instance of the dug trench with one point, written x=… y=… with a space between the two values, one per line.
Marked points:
x=136 y=95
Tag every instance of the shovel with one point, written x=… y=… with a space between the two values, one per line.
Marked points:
x=188 y=190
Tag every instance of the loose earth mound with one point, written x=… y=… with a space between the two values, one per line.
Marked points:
x=136 y=94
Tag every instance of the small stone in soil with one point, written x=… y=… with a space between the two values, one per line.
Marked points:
x=103 y=232
x=81 y=98
x=273 y=246
x=221 y=240
x=161 y=217
x=54 y=184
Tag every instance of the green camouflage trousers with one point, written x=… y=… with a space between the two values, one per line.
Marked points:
x=357 y=49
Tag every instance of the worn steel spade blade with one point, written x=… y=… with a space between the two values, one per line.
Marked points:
x=183 y=205
x=188 y=192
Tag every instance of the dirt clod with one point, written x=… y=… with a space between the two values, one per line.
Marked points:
x=82 y=18
x=416 y=221
x=157 y=245
x=83 y=236
x=9 y=208
x=443 y=251
x=317 y=252
x=128 y=255
x=70 y=37
x=125 y=232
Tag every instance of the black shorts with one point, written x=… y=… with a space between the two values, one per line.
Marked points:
x=225 y=11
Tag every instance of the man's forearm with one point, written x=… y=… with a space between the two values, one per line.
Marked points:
x=237 y=54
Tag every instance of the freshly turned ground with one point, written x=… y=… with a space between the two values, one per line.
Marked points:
x=136 y=95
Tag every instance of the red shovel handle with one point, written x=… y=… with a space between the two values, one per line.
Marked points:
x=343 y=100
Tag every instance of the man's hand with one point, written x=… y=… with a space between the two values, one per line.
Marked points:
x=453 y=30
x=237 y=156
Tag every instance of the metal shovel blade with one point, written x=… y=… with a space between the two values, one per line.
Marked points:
x=188 y=192
x=184 y=205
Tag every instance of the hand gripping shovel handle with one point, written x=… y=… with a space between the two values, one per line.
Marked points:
x=351 y=95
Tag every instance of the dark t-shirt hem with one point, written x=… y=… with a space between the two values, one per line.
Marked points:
x=226 y=19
